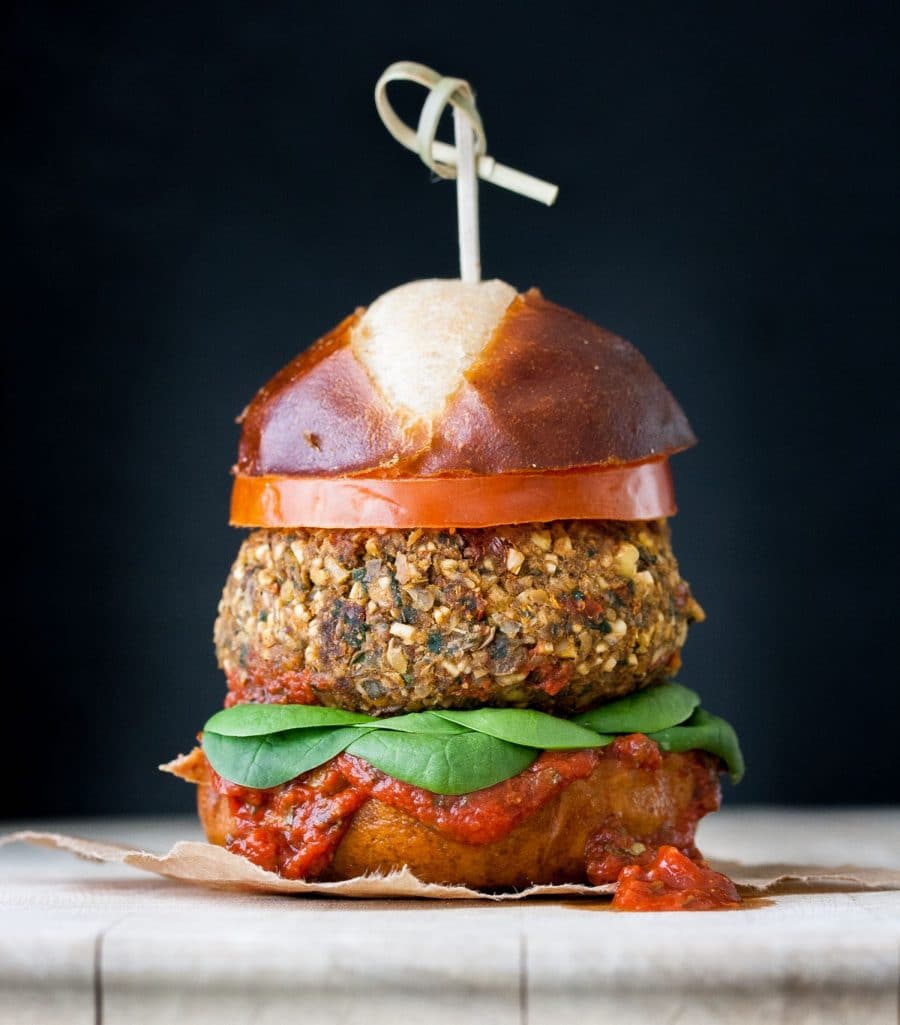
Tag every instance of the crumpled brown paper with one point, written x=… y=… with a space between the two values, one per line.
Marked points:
x=207 y=865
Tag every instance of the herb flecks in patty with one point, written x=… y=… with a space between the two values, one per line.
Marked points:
x=556 y=616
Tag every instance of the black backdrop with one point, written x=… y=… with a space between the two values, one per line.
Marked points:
x=197 y=191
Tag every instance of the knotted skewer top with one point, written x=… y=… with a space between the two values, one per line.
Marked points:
x=466 y=161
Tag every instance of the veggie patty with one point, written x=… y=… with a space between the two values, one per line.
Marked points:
x=555 y=616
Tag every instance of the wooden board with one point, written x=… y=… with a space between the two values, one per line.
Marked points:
x=88 y=943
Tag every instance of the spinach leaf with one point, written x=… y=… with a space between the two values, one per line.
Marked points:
x=527 y=727
x=450 y=752
x=645 y=711
x=418 y=722
x=705 y=732
x=254 y=720
x=265 y=761
x=443 y=763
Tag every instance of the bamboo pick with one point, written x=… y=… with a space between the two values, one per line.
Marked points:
x=466 y=198
x=466 y=160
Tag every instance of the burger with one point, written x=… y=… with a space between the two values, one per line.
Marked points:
x=452 y=635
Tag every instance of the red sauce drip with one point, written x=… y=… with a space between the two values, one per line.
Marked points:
x=672 y=882
x=612 y=847
x=295 y=829
x=262 y=686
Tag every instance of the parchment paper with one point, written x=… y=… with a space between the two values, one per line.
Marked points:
x=207 y=865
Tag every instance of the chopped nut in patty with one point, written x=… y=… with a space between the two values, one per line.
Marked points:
x=557 y=616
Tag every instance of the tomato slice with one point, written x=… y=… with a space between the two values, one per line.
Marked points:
x=637 y=491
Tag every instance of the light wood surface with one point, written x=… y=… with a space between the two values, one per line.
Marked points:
x=82 y=943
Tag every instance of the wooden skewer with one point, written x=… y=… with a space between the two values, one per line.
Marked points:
x=466 y=160
x=466 y=198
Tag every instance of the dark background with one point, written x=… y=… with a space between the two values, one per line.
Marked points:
x=195 y=192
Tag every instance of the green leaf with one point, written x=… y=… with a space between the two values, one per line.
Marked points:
x=252 y=720
x=418 y=722
x=443 y=763
x=450 y=752
x=262 y=762
x=527 y=727
x=645 y=711
x=705 y=732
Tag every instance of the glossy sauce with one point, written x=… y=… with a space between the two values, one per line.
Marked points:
x=294 y=829
x=672 y=882
x=262 y=686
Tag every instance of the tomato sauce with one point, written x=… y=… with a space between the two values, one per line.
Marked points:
x=294 y=829
x=261 y=685
x=484 y=816
x=669 y=881
x=612 y=848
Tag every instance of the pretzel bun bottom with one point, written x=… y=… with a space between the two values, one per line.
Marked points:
x=581 y=835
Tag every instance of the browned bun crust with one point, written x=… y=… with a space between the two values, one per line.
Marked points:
x=652 y=807
x=549 y=390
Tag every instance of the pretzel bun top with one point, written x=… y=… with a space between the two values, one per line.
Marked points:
x=447 y=378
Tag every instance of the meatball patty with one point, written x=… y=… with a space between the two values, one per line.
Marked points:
x=558 y=616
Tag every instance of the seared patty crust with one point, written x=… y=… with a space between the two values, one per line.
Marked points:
x=558 y=616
